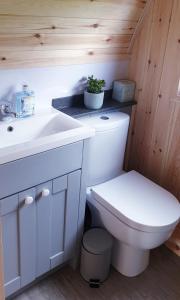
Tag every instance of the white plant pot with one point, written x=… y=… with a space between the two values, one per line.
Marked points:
x=93 y=101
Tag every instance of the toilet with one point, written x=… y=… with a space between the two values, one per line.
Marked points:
x=138 y=213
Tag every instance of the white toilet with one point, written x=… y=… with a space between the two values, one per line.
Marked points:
x=138 y=213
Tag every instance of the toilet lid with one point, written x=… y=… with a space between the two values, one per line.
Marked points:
x=138 y=202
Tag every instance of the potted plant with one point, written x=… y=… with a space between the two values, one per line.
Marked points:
x=94 y=95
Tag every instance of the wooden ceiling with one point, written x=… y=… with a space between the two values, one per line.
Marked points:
x=59 y=32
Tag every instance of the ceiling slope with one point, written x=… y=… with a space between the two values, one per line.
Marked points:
x=51 y=32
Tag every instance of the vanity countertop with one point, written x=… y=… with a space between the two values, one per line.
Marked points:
x=74 y=105
x=46 y=130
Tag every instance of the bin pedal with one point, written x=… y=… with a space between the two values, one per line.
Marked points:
x=94 y=283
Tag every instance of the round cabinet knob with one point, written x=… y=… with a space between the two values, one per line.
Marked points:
x=28 y=200
x=45 y=192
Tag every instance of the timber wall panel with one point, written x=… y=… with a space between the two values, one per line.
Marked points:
x=48 y=27
x=33 y=24
x=12 y=59
x=37 y=41
x=103 y=9
x=154 y=140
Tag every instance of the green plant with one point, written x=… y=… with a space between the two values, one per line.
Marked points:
x=94 y=85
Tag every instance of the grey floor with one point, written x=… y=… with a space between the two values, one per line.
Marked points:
x=161 y=281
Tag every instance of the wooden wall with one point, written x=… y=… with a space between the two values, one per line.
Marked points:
x=154 y=143
x=59 y=32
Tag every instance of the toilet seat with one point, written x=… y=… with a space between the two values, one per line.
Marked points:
x=138 y=202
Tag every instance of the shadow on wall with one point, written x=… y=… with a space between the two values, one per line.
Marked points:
x=8 y=96
x=80 y=86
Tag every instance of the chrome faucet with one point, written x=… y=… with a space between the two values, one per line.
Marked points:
x=6 y=112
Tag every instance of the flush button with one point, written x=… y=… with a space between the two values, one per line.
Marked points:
x=104 y=118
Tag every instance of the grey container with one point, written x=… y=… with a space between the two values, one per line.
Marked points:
x=96 y=255
x=123 y=90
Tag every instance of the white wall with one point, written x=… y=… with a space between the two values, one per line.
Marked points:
x=55 y=82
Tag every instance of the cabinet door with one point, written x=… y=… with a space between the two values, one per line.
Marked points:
x=43 y=213
x=27 y=236
x=65 y=203
x=39 y=228
x=10 y=238
x=71 y=214
x=18 y=234
x=57 y=218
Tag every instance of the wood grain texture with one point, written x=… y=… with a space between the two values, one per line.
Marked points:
x=154 y=139
x=12 y=59
x=103 y=9
x=46 y=26
x=139 y=23
x=174 y=242
x=29 y=42
x=168 y=104
x=39 y=24
x=159 y=282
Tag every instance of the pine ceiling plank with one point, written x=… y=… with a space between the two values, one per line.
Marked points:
x=14 y=59
x=103 y=9
x=57 y=41
x=34 y=24
x=47 y=25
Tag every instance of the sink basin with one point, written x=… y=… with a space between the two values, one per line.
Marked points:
x=41 y=132
x=24 y=130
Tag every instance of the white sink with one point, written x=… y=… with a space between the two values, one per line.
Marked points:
x=44 y=131
x=25 y=130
